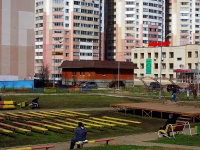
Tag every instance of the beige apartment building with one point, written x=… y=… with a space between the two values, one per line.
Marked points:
x=182 y=22
x=68 y=30
x=173 y=58
x=17 y=38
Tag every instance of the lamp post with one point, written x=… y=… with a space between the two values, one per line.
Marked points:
x=160 y=93
x=118 y=73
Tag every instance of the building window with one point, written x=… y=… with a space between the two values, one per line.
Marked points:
x=74 y=73
x=149 y=55
x=156 y=55
x=103 y=72
x=163 y=66
x=171 y=66
x=163 y=76
x=141 y=55
x=171 y=54
x=196 y=65
x=179 y=58
x=189 y=54
x=82 y=73
x=141 y=75
x=155 y=75
x=89 y=73
x=196 y=54
x=67 y=54
x=189 y=66
x=135 y=55
x=156 y=66
x=135 y=75
x=142 y=66
x=171 y=76
x=164 y=55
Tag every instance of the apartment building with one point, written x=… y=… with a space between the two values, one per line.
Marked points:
x=183 y=22
x=132 y=23
x=17 y=39
x=174 y=57
x=68 y=30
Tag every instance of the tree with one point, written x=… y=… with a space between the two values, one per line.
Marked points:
x=43 y=73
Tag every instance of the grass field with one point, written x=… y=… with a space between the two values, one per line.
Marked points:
x=181 y=139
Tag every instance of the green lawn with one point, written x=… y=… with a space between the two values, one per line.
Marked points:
x=70 y=100
x=181 y=139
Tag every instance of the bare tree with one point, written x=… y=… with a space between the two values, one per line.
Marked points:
x=43 y=73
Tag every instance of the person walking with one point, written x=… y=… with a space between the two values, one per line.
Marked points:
x=80 y=135
x=174 y=94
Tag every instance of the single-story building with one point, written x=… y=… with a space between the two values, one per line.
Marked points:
x=102 y=72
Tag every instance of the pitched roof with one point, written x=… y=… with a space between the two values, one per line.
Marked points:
x=98 y=64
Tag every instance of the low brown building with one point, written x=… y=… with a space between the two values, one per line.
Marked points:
x=102 y=72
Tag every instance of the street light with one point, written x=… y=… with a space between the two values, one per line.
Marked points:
x=118 y=73
x=54 y=62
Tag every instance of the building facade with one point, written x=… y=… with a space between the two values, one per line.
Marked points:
x=74 y=71
x=132 y=23
x=17 y=39
x=173 y=58
x=183 y=22
x=68 y=30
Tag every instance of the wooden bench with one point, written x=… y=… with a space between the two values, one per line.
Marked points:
x=5 y=131
x=43 y=115
x=50 y=127
x=65 y=114
x=35 y=128
x=31 y=115
x=15 y=128
x=2 y=119
x=98 y=122
x=174 y=128
x=70 y=123
x=2 y=115
x=86 y=123
x=110 y=121
x=33 y=147
x=122 y=120
x=81 y=143
x=60 y=125
x=77 y=113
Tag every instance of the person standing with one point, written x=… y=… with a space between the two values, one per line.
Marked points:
x=174 y=94
x=195 y=93
x=80 y=135
x=188 y=93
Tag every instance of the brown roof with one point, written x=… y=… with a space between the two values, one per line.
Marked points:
x=98 y=64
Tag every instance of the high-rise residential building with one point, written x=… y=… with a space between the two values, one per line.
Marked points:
x=17 y=38
x=68 y=30
x=183 y=22
x=132 y=23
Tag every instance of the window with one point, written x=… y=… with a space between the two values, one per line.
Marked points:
x=58 y=1
x=149 y=55
x=171 y=66
x=189 y=66
x=163 y=66
x=141 y=55
x=196 y=54
x=82 y=73
x=141 y=66
x=135 y=55
x=164 y=55
x=156 y=66
x=189 y=54
x=103 y=72
x=67 y=54
x=74 y=73
x=171 y=54
x=171 y=76
x=179 y=58
x=155 y=75
x=156 y=55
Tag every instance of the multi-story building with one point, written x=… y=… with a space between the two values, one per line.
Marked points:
x=173 y=58
x=68 y=30
x=183 y=22
x=132 y=23
x=17 y=38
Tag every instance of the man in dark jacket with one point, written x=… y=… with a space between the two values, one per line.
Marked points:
x=80 y=133
x=35 y=103
x=170 y=120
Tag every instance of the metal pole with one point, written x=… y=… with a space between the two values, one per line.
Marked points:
x=198 y=76
x=160 y=93
x=54 y=67
x=118 y=73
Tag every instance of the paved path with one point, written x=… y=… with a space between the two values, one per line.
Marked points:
x=138 y=139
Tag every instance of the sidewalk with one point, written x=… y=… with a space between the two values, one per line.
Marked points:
x=138 y=139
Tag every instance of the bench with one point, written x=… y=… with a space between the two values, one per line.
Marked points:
x=77 y=113
x=174 y=128
x=31 y=115
x=50 y=127
x=81 y=143
x=35 y=128
x=5 y=131
x=86 y=123
x=2 y=119
x=98 y=122
x=2 y=115
x=123 y=120
x=110 y=121
x=43 y=115
x=33 y=147
x=7 y=107
x=60 y=125
x=65 y=114
x=15 y=128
